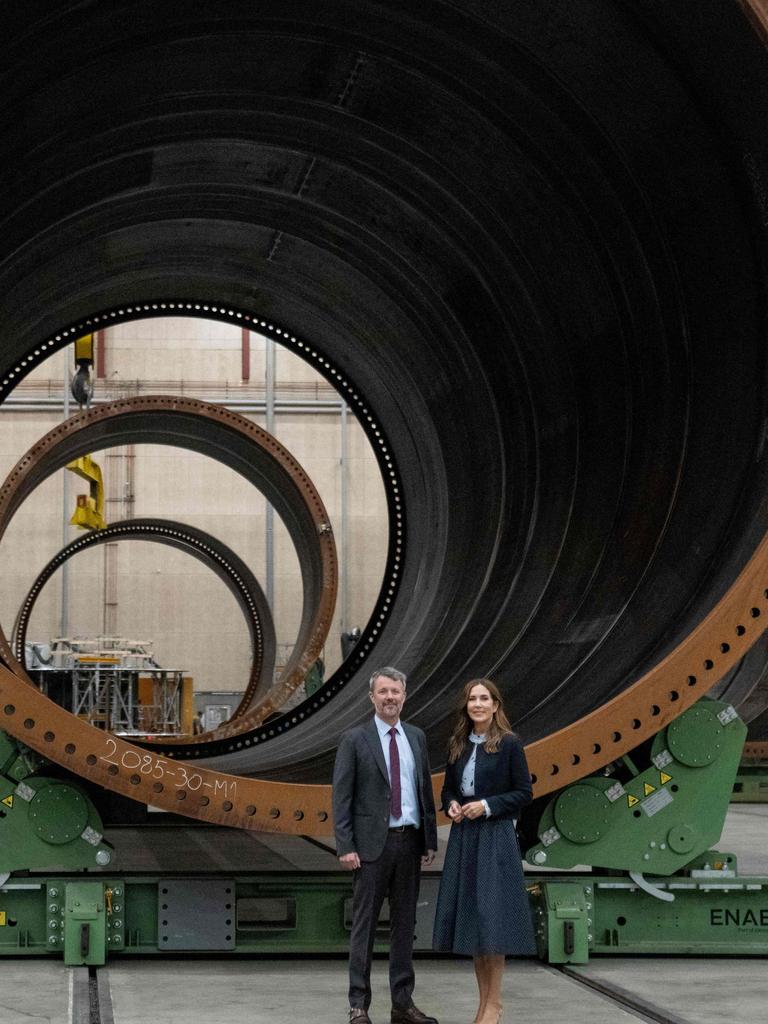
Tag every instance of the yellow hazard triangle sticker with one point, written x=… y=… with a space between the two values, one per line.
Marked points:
x=8 y=800
x=648 y=789
x=632 y=800
x=664 y=777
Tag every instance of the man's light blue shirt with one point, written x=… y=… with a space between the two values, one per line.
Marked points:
x=409 y=802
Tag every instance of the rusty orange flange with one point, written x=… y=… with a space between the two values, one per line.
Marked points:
x=757 y=12
x=721 y=639
x=755 y=752
x=177 y=786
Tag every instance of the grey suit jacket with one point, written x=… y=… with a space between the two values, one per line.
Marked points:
x=361 y=792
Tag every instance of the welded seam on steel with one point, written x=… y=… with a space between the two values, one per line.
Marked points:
x=207 y=549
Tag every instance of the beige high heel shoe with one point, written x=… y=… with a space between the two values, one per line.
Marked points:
x=487 y=1017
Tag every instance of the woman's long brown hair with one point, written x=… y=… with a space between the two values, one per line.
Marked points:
x=498 y=728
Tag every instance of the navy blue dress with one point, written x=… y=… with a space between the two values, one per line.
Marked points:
x=482 y=907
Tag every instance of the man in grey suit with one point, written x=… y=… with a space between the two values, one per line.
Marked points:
x=384 y=817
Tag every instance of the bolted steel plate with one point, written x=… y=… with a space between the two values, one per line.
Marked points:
x=695 y=738
x=682 y=838
x=581 y=814
x=58 y=813
x=196 y=913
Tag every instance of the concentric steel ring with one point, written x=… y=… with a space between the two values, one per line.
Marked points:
x=677 y=682
x=617 y=727
x=231 y=569
x=249 y=450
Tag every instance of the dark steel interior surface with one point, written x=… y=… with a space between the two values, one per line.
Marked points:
x=529 y=237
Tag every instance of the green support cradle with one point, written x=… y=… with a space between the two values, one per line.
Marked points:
x=45 y=823
x=654 y=820
x=625 y=863
x=645 y=832
x=50 y=824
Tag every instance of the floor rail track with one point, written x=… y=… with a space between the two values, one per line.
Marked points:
x=641 y=1008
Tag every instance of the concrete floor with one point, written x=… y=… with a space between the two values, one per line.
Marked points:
x=281 y=991
x=261 y=992
x=746 y=835
x=35 y=992
x=695 y=991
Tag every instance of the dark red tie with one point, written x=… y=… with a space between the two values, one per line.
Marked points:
x=395 y=807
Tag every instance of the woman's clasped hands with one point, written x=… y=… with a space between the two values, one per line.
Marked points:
x=472 y=809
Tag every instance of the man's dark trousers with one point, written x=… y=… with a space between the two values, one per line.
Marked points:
x=395 y=874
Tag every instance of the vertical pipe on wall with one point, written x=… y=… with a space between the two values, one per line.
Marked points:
x=119 y=498
x=101 y=354
x=109 y=612
x=270 y=514
x=344 y=472
x=129 y=482
x=245 y=354
x=64 y=621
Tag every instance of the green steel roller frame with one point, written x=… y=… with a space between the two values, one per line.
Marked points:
x=44 y=822
x=626 y=865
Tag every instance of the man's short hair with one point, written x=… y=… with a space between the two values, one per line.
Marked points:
x=389 y=672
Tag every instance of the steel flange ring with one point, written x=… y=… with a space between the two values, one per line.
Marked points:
x=231 y=569
x=124 y=767
x=244 y=447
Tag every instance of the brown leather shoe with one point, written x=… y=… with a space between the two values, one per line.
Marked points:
x=357 y=1015
x=411 y=1015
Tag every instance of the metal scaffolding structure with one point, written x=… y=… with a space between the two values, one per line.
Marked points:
x=105 y=694
x=111 y=682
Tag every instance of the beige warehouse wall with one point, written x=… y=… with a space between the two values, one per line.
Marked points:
x=159 y=594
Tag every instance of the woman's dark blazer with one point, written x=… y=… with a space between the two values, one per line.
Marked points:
x=502 y=778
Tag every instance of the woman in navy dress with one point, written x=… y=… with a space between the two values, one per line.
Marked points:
x=482 y=908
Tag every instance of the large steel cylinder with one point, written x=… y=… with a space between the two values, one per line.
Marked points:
x=526 y=240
